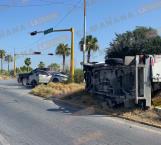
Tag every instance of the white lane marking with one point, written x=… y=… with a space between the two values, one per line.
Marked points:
x=9 y=87
x=3 y=141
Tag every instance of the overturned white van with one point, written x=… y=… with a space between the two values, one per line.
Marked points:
x=127 y=82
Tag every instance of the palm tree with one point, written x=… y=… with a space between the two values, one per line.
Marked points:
x=91 y=45
x=63 y=50
x=54 y=67
x=8 y=59
x=2 y=55
x=41 y=65
x=27 y=63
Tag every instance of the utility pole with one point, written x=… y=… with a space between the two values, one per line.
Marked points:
x=84 y=46
x=14 y=61
x=72 y=55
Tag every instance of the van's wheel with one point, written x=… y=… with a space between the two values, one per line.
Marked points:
x=55 y=80
x=33 y=83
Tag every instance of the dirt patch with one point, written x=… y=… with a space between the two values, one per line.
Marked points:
x=149 y=116
x=3 y=77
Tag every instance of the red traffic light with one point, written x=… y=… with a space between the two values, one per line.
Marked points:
x=37 y=52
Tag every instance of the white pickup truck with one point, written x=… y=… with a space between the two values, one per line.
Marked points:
x=34 y=78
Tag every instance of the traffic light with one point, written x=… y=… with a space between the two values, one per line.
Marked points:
x=33 y=33
x=50 y=54
x=38 y=53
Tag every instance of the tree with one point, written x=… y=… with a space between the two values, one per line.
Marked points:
x=79 y=76
x=63 y=50
x=142 y=40
x=54 y=67
x=24 y=69
x=2 y=55
x=8 y=59
x=27 y=63
x=91 y=45
x=41 y=65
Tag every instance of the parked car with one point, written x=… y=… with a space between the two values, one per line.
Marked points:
x=59 y=77
x=34 y=78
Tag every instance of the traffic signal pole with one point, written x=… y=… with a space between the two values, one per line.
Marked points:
x=72 y=45
x=34 y=53
x=72 y=50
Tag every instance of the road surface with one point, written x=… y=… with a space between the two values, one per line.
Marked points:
x=30 y=120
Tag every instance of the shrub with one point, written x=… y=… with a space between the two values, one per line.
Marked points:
x=157 y=101
x=56 y=89
x=79 y=76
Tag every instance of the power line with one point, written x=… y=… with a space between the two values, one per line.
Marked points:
x=34 y=5
x=68 y=13
x=61 y=20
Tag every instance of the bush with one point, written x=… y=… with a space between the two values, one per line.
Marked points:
x=57 y=89
x=156 y=101
x=79 y=76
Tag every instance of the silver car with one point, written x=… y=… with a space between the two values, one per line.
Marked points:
x=58 y=77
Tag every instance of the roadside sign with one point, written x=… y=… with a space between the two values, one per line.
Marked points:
x=48 y=31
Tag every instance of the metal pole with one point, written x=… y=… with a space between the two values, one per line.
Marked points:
x=1 y=64
x=72 y=55
x=14 y=63
x=84 y=46
x=72 y=48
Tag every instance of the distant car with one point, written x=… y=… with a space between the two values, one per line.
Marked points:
x=58 y=77
x=34 y=78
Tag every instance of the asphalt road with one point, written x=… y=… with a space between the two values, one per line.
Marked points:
x=29 y=120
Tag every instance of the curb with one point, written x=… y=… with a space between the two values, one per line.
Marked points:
x=140 y=122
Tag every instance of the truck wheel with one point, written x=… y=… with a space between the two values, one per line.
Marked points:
x=33 y=83
x=55 y=80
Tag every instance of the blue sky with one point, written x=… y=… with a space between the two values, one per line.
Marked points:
x=104 y=18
